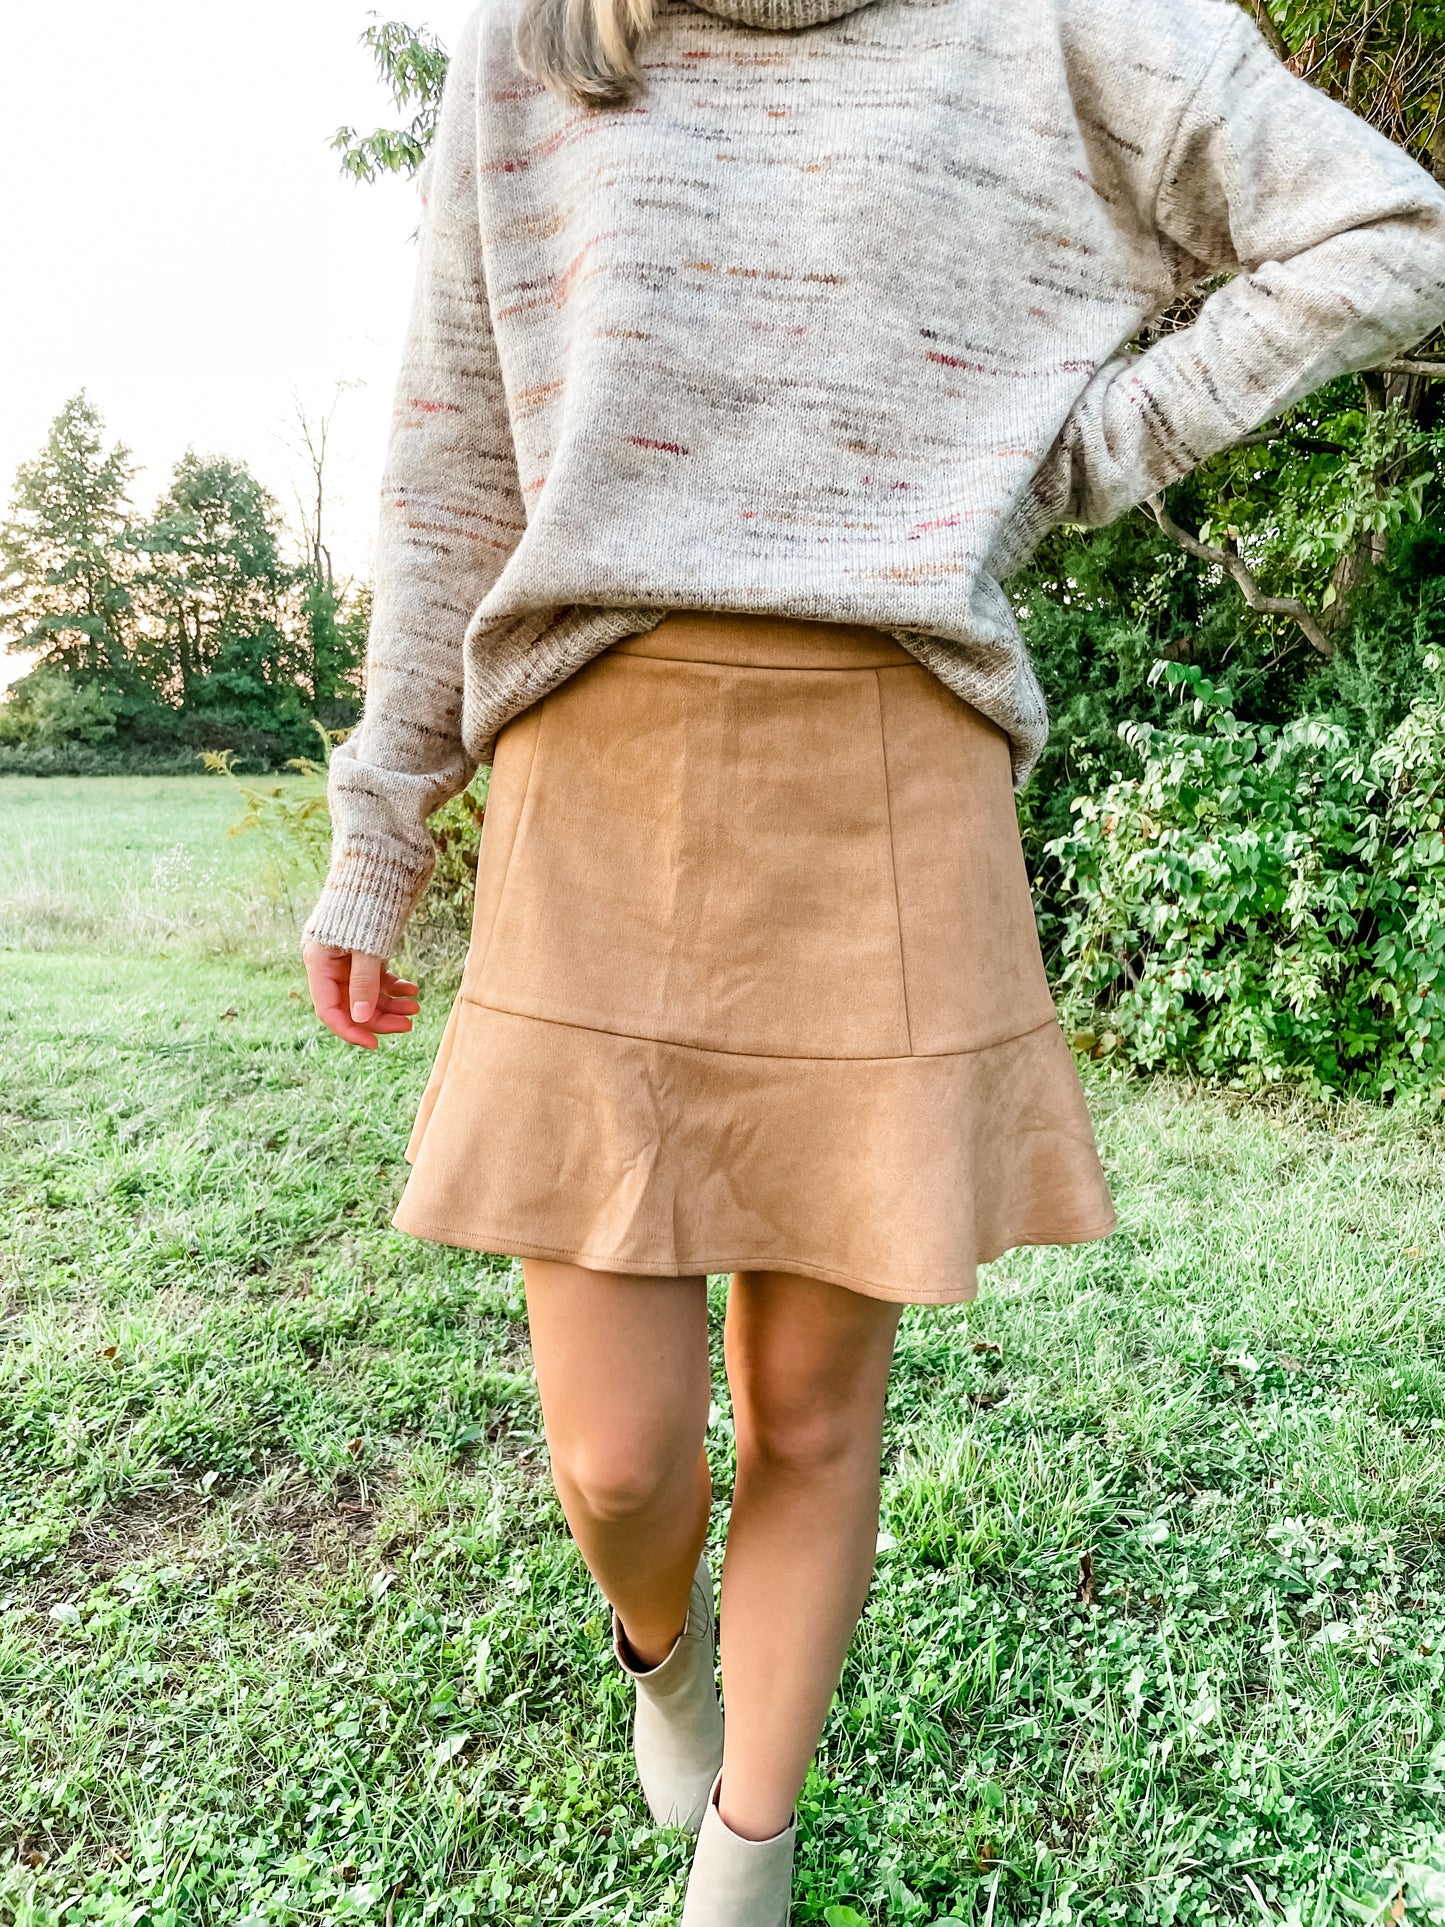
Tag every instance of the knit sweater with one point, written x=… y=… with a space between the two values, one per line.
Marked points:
x=829 y=321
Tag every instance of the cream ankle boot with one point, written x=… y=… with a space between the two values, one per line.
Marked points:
x=737 y=1882
x=677 y=1729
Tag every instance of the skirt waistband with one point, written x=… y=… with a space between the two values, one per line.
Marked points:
x=765 y=642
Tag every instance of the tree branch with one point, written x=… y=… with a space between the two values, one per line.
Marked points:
x=1409 y=367
x=1235 y=566
x=1306 y=444
x=1266 y=25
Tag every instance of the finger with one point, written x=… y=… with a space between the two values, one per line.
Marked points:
x=391 y=981
x=365 y=985
x=388 y=1026
x=325 y=975
x=407 y=1006
x=336 y=1019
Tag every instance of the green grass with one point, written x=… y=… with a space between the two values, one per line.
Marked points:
x=290 y=1627
x=142 y=863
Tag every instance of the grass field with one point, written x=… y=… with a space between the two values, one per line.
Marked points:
x=139 y=863
x=290 y=1630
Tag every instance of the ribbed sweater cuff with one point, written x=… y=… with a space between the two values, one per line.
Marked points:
x=366 y=901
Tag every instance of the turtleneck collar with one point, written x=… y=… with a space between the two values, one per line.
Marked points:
x=780 y=15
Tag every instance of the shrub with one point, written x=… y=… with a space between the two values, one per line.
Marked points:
x=86 y=759
x=50 y=707
x=1264 y=901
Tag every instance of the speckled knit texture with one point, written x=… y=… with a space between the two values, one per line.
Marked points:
x=829 y=322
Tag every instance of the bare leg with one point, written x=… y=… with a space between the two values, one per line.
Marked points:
x=808 y=1363
x=623 y=1374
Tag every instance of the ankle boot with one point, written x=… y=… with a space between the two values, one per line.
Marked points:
x=737 y=1882
x=677 y=1729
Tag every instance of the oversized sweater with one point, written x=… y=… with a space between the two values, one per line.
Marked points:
x=829 y=322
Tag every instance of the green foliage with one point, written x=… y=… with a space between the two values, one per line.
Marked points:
x=1098 y=610
x=290 y=820
x=336 y=624
x=1315 y=509
x=413 y=64
x=1263 y=902
x=1397 y=622
x=217 y=586
x=1344 y=510
x=49 y=707
x=1338 y=505
x=109 y=758
x=1325 y=504
x=1384 y=60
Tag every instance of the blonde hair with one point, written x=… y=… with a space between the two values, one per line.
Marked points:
x=584 y=49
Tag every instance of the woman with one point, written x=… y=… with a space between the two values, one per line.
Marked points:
x=752 y=347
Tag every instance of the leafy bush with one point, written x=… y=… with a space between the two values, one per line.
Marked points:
x=1398 y=622
x=88 y=759
x=1264 y=901
x=63 y=722
x=51 y=706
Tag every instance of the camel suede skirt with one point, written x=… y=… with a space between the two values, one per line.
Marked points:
x=754 y=981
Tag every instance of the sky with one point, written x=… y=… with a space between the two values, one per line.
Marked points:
x=180 y=241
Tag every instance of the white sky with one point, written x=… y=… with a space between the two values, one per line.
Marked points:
x=179 y=240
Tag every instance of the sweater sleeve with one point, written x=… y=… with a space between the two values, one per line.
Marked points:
x=1336 y=240
x=451 y=513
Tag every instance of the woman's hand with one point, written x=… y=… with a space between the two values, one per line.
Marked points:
x=355 y=994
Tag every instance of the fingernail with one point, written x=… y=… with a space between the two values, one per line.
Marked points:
x=360 y=1013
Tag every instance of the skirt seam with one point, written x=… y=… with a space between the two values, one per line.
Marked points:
x=893 y=865
x=769 y=668
x=481 y=957
x=767 y=1056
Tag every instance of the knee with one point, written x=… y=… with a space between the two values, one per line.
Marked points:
x=614 y=1484
x=793 y=1441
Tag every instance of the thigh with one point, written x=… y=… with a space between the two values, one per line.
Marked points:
x=620 y=1360
x=806 y=1355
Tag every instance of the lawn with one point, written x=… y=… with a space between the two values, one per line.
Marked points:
x=290 y=1628
x=132 y=862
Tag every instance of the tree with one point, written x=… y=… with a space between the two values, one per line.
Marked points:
x=191 y=628
x=221 y=600
x=66 y=568
x=336 y=647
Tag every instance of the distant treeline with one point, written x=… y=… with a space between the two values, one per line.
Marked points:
x=207 y=624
